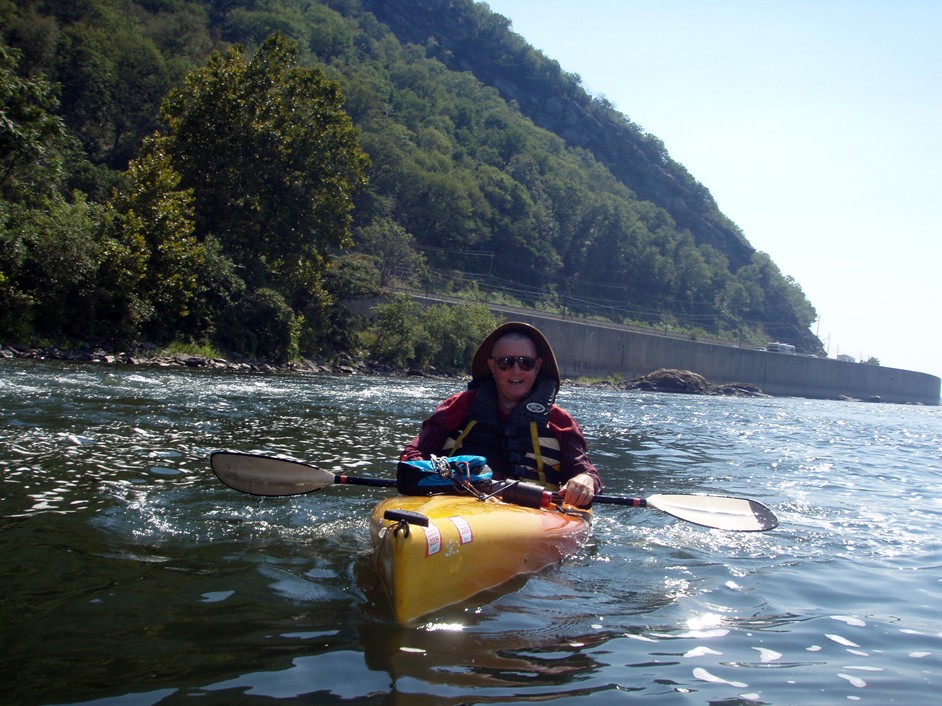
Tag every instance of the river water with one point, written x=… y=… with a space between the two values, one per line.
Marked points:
x=130 y=575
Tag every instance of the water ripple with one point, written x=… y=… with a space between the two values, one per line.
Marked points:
x=127 y=564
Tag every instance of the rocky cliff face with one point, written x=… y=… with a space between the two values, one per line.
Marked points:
x=468 y=37
x=557 y=103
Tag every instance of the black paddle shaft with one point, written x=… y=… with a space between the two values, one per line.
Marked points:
x=374 y=482
x=630 y=502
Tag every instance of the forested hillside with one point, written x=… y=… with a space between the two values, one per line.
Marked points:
x=230 y=171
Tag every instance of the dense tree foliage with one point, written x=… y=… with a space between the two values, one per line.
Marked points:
x=153 y=261
x=47 y=254
x=33 y=139
x=490 y=170
x=273 y=163
x=439 y=336
x=255 y=175
x=272 y=159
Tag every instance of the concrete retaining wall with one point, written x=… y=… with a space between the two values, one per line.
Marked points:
x=589 y=350
x=585 y=349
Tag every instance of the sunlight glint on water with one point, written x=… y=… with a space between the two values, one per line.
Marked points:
x=131 y=575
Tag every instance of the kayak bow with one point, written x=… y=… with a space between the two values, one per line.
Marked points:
x=432 y=552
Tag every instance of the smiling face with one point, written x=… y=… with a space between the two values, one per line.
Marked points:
x=515 y=383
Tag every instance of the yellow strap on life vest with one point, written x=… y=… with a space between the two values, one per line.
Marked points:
x=453 y=451
x=537 y=452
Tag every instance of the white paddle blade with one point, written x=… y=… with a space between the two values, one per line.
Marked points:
x=264 y=475
x=717 y=511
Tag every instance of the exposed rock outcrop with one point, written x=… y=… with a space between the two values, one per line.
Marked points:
x=690 y=383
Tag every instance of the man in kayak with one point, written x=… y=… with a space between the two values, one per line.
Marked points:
x=508 y=415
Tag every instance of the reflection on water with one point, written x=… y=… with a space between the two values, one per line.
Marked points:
x=131 y=576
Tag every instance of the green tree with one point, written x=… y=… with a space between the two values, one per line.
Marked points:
x=273 y=162
x=450 y=334
x=262 y=324
x=48 y=253
x=154 y=257
x=351 y=276
x=113 y=79
x=392 y=250
x=49 y=263
x=397 y=331
x=443 y=336
x=34 y=142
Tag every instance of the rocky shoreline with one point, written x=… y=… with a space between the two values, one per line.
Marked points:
x=149 y=355
x=663 y=380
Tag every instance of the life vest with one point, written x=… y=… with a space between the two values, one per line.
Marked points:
x=523 y=446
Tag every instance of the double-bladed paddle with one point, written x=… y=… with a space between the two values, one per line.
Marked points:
x=267 y=475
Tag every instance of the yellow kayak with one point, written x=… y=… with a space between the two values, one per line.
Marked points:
x=433 y=551
x=468 y=546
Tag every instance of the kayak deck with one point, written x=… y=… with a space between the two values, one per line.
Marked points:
x=468 y=546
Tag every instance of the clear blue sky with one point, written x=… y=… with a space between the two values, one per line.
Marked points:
x=815 y=124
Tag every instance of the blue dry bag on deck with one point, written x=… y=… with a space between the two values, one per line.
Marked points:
x=441 y=475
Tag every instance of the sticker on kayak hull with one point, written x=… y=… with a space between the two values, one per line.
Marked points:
x=433 y=540
x=464 y=529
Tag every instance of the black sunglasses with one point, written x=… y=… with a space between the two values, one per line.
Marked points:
x=506 y=362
